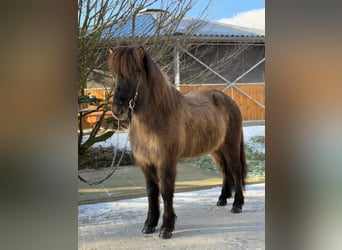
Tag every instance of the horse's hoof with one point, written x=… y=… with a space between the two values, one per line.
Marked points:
x=236 y=210
x=148 y=230
x=165 y=234
x=221 y=203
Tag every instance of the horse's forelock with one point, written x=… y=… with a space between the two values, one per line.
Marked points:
x=125 y=62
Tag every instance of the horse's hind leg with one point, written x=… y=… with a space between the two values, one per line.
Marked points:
x=229 y=162
x=228 y=181
x=238 y=197
x=237 y=166
x=152 y=189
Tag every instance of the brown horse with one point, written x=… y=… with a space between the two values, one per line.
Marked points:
x=167 y=126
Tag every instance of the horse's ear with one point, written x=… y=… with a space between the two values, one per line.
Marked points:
x=141 y=52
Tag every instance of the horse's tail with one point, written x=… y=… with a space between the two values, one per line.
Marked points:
x=243 y=160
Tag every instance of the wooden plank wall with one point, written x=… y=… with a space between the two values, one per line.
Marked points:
x=90 y=120
x=250 y=109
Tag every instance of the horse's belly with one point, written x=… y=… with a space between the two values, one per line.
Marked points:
x=200 y=141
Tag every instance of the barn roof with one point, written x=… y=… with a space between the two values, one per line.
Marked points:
x=146 y=24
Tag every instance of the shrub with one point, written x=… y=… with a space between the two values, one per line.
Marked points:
x=255 y=157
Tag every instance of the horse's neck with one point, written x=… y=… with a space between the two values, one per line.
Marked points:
x=151 y=113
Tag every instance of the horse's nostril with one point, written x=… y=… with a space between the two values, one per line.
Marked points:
x=117 y=110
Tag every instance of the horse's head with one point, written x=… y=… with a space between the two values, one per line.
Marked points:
x=126 y=65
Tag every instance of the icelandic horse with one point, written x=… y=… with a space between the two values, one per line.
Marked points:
x=166 y=126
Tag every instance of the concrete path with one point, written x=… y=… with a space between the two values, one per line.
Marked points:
x=129 y=182
x=200 y=223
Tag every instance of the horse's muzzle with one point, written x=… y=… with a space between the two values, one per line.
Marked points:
x=119 y=112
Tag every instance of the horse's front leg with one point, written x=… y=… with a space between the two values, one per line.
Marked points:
x=152 y=189
x=168 y=177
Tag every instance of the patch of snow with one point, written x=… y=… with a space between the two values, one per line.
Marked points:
x=116 y=139
x=134 y=210
x=249 y=132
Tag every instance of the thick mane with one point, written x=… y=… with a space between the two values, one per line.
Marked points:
x=165 y=96
x=125 y=62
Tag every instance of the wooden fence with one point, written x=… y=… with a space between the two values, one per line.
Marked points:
x=249 y=97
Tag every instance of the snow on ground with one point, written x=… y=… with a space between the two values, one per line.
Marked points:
x=249 y=132
x=134 y=210
x=121 y=138
x=200 y=223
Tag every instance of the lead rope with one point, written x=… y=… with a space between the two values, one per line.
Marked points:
x=131 y=105
x=112 y=167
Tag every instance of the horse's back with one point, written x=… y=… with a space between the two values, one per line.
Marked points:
x=212 y=98
x=205 y=122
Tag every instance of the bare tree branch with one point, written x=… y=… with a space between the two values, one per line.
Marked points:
x=99 y=22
